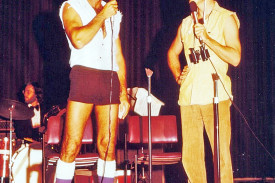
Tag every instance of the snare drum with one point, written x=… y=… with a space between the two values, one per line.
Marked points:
x=27 y=164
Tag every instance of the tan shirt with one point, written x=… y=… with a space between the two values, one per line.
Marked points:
x=198 y=87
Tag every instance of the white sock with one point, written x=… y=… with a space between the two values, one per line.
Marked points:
x=65 y=171
x=109 y=166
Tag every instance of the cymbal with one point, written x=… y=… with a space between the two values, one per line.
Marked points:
x=20 y=111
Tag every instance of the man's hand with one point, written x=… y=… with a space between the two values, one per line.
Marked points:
x=183 y=75
x=200 y=32
x=124 y=107
x=109 y=9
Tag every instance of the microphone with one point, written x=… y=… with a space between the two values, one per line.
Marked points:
x=193 y=9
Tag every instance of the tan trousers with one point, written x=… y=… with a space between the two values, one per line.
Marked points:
x=194 y=119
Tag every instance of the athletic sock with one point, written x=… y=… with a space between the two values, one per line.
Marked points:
x=106 y=171
x=64 y=172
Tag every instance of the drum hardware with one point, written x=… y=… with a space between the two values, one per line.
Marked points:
x=10 y=109
x=5 y=153
x=13 y=110
x=19 y=110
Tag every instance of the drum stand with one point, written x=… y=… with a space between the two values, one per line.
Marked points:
x=5 y=157
x=10 y=109
x=10 y=151
x=13 y=110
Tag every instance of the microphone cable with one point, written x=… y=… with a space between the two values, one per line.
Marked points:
x=242 y=115
x=111 y=94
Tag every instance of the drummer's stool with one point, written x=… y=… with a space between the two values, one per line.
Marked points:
x=53 y=136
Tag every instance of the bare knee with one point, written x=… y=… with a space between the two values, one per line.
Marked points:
x=70 y=149
x=106 y=148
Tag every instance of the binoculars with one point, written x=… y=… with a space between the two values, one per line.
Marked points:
x=197 y=55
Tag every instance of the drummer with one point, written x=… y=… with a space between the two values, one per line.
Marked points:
x=28 y=130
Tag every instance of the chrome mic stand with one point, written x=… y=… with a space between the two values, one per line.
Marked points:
x=205 y=56
x=149 y=74
x=216 y=131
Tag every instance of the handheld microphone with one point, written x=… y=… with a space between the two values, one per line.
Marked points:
x=193 y=9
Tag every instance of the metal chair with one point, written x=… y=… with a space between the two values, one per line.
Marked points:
x=53 y=137
x=164 y=131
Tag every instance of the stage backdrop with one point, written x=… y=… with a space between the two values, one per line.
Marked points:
x=33 y=47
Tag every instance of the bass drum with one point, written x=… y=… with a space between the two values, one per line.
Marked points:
x=27 y=165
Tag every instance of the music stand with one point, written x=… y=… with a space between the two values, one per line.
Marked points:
x=149 y=74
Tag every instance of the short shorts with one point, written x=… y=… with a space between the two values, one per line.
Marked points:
x=99 y=87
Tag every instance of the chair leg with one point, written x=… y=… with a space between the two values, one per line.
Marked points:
x=136 y=173
x=125 y=158
x=43 y=170
x=43 y=160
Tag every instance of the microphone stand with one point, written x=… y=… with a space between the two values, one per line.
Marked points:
x=205 y=56
x=216 y=131
x=149 y=73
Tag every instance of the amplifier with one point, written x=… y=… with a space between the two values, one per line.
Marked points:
x=7 y=134
x=5 y=126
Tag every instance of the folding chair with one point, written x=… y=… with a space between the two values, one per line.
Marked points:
x=53 y=137
x=164 y=131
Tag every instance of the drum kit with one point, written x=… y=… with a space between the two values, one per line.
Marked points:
x=25 y=164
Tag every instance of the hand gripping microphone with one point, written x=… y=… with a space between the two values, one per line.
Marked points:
x=203 y=52
x=193 y=9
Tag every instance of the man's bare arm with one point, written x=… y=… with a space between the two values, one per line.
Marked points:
x=173 y=56
x=80 y=35
x=124 y=103
x=231 y=51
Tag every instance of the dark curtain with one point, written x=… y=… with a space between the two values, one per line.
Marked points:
x=33 y=47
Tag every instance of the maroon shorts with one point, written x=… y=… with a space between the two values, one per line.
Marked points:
x=94 y=86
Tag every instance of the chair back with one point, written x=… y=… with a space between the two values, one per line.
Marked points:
x=55 y=125
x=164 y=129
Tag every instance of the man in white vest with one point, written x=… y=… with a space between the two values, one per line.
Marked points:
x=98 y=81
